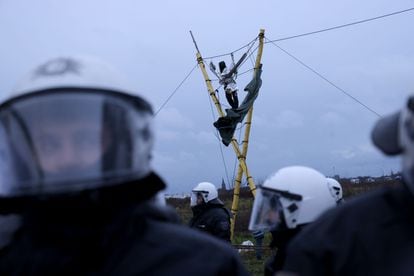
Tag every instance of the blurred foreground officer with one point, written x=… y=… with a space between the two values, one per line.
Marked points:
x=289 y=200
x=75 y=169
x=374 y=233
x=209 y=213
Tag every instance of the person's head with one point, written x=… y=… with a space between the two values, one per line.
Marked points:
x=73 y=126
x=290 y=197
x=335 y=189
x=222 y=66
x=394 y=135
x=203 y=193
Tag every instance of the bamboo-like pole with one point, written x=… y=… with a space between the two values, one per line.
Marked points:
x=245 y=142
x=235 y=203
x=210 y=88
x=250 y=113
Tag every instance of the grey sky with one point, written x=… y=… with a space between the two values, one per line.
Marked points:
x=298 y=119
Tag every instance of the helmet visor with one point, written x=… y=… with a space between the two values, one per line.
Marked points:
x=71 y=140
x=267 y=210
x=194 y=198
x=198 y=197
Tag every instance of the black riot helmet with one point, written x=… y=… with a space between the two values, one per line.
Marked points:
x=71 y=126
x=222 y=66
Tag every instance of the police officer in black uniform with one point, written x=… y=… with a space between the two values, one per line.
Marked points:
x=77 y=192
x=209 y=213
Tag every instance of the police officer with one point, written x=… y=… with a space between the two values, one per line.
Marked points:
x=77 y=185
x=371 y=234
x=288 y=201
x=209 y=213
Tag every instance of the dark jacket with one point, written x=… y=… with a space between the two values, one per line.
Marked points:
x=212 y=218
x=113 y=237
x=280 y=240
x=370 y=235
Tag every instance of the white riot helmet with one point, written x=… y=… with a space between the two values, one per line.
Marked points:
x=292 y=196
x=394 y=135
x=72 y=125
x=206 y=190
x=336 y=189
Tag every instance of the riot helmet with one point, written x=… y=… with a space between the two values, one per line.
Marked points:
x=73 y=125
x=204 y=191
x=292 y=196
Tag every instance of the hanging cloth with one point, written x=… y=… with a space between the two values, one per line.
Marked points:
x=227 y=125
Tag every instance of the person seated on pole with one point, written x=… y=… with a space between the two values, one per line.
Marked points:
x=229 y=85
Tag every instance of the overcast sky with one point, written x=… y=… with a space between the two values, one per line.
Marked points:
x=299 y=119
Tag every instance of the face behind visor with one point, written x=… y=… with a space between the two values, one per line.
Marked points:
x=66 y=140
x=267 y=212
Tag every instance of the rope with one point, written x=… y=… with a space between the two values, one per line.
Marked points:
x=219 y=141
x=342 y=26
x=247 y=71
x=328 y=81
x=224 y=163
x=251 y=61
x=248 y=57
x=213 y=57
x=175 y=90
